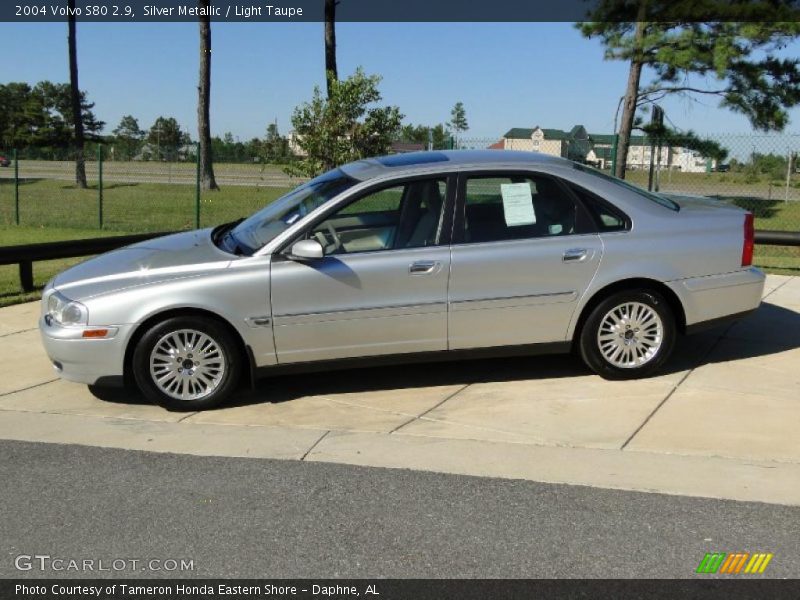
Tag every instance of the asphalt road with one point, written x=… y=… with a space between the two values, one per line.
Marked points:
x=265 y=518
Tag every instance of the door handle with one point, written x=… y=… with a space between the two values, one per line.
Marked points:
x=422 y=266
x=575 y=255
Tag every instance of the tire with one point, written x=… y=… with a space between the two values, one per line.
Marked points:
x=645 y=319
x=167 y=350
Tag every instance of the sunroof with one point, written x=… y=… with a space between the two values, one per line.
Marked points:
x=412 y=158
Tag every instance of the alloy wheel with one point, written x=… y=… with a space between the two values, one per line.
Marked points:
x=187 y=364
x=630 y=335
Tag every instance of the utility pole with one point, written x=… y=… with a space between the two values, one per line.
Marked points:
x=657 y=123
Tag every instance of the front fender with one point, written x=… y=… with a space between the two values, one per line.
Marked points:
x=238 y=294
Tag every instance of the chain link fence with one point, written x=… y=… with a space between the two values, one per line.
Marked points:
x=756 y=172
x=760 y=173
x=133 y=196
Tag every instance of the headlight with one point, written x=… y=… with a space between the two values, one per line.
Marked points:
x=65 y=311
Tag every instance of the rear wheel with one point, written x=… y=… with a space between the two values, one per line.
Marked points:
x=187 y=363
x=628 y=335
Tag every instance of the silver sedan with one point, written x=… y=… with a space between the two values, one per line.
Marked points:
x=416 y=257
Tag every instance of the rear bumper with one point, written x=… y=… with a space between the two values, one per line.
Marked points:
x=714 y=299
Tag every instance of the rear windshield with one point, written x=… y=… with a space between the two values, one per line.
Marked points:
x=665 y=202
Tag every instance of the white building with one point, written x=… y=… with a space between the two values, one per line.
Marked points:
x=690 y=161
x=596 y=149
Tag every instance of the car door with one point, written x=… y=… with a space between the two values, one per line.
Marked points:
x=524 y=251
x=381 y=286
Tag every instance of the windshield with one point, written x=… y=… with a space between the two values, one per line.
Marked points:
x=262 y=227
x=665 y=202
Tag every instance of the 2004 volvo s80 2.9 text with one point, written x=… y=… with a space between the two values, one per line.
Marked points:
x=407 y=257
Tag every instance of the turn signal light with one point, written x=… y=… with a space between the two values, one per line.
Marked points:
x=95 y=333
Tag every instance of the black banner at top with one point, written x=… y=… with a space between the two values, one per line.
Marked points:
x=132 y=11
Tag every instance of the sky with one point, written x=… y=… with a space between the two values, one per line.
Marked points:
x=506 y=74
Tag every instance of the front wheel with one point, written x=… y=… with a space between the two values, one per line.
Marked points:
x=628 y=335
x=187 y=363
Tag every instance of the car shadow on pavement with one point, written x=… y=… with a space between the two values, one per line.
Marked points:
x=771 y=329
x=285 y=388
x=118 y=395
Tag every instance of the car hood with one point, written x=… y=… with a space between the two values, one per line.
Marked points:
x=171 y=257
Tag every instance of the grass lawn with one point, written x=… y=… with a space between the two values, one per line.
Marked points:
x=778 y=260
x=10 y=292
x=128 y=207
x=163 y=206
x=53 y=210
x=721 y=184
x=771 y=214
x=773 y=259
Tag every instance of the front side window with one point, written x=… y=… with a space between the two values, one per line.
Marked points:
x=406 y=215
x=262 y=227
x=516 y=207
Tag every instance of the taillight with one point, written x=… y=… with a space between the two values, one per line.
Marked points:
x=749 y=240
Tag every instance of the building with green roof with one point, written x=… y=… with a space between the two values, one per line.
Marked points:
x=573 y=144
x=595 y=148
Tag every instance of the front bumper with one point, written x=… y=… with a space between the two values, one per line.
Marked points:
x=85 y=360
x=716 y=297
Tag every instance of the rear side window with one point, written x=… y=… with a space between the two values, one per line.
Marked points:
x=517 y=207
x=665 y=202
x=605 y=216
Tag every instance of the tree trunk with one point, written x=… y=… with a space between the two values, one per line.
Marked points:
x=203 y=104
x=629 y=102
x=331 y=72
x=75 y=97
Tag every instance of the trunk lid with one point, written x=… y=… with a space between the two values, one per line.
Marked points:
x=701 y=204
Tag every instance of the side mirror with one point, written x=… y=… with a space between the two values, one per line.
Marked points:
x=307 y=249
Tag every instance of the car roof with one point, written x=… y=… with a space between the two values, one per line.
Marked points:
x=446 y=160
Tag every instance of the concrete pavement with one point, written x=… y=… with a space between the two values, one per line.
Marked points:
x=720 y=422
